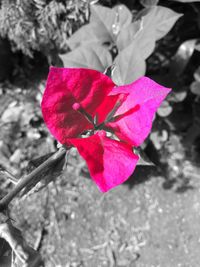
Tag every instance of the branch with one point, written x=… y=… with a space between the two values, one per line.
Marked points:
x=31 y=176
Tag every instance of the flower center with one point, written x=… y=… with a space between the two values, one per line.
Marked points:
x=109 y=118
x=77 y=107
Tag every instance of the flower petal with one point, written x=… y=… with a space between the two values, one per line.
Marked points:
x=144 y=98
x=110 y=162
x=66 y=86
x=106 y=107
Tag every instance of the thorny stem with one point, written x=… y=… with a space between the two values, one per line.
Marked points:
x=31 y=176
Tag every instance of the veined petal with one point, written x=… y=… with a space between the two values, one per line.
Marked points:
x=110 y=162
x=66 y=86
x=144 y=98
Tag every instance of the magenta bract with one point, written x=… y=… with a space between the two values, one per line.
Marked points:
x=79 y=100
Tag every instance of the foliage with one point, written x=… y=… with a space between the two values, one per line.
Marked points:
x=40 y=24
x=131 y=38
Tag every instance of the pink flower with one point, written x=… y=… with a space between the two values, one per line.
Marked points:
x=77 y=101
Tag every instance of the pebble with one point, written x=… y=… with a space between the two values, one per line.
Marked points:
x=16 y=156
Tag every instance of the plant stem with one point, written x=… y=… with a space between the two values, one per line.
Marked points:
x=28 y=178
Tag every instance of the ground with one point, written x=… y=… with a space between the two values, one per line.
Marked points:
x=136 y=224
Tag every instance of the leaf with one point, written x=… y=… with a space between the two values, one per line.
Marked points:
x=105 y=24
x=34 y=259
x=111 y=20
x=143 y=158
x=23 y=254
x=136 y=32
x=182 y=57
x=159 y=20
x=124 y=16
x=91 y=32
x=93 y=56
x=152 y=25
x=129 y=65
x=127 y=35
x=149 y=3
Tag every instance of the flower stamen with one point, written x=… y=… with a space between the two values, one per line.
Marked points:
x=121 y=99
x=77 y=107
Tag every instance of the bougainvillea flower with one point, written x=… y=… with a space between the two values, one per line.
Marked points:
x=80 y=105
